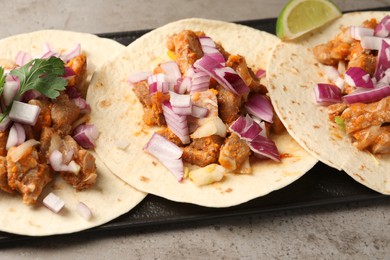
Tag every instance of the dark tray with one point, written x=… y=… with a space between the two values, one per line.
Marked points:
x=320 y=186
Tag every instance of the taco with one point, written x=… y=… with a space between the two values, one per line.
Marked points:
x=325 y=90
x=47 y=73
x=202 y=161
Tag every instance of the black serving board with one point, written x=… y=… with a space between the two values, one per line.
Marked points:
x=320 y=186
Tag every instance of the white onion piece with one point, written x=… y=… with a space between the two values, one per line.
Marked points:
x=359 y=32
x=12 y=139
x=326 y=94
x=86 y=135
x=84 y=211
x=179 y=100
x=210 y=126
x=167 y=153
x=207 y=175
x=58 y=165
x=260 y=106
x=53 y=202
x=10 y=90
x=20 y=150
x=139 y=76
x=24 y=113
x=171 y=70
x=199 y=112
x=22 y=58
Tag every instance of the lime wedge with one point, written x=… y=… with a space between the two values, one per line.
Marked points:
x=301 y=16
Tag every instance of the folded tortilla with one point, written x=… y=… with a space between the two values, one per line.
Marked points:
x=117 y=113
x=109 y=197
x=293 y=71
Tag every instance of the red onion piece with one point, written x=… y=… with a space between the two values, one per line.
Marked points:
x=383 y=60
x=85 y=135
x=53 y=202
x=16 y=136
x=367 y=96
x=179 y=100
x=10 y=90
x=359 y=32
x=383 y=28
x=225 y=76
x=184 y=85
x=264 y=147
x=57 y=163
x=24 y=113
x=84 y=211
x=358 y=77
x=246 y=128
x=82 y=104
x=326 y=94
x=22 y=58
x=72 y=53
x=32 y=94
x=372 y=42
x=200 y=81
x=172 y=71
x=260 y=73
x=177 y=123
x=72 y=92
x=167 y=153
x=199 y=112
x=5 y=124
x=260 y=106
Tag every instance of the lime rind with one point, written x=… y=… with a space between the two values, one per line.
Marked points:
x=285 y=32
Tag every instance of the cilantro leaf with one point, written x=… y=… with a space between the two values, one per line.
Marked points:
x=2 y=80
x=42 y=75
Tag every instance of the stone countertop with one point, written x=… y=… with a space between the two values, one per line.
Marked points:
x=358 y=230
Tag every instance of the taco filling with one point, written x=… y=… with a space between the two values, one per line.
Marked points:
x=358 y=98
x=211 y=108
x=43 y=123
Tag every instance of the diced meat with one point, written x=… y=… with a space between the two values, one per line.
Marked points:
x=86 y=177
x=206 y=99
x=382 y=142
x=4 y=176
x=3 y=142
x=277 y=126
x=79 y=65
x=27 y=175
x=44 y=118
x=203 y=151
x=365 y=61
x=238 y=63
x=229 y=105
x=153 y=115
x=374 y=138
x=234 y=152
x=186 y=47
x=336 y=110
x=168 y=134
x=330 y=53
x=63 y=113
x=141 y=90
x=359 y=116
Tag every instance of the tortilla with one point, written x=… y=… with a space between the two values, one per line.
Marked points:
x=293 y=72
x=109 y=198
x=118 y=114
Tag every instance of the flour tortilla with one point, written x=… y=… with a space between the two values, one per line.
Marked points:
x=118 y=115
x=292 y=74
x=109 y=198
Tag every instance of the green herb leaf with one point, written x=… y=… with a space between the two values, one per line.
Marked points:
x=2 y=80
x=340 y=122
x=42 y=75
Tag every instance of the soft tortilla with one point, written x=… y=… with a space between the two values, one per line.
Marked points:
x=292 y=73
x=118 y=115
x=109 y=198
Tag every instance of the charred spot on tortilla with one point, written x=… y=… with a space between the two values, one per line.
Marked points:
x=105 y=103
x=144 y=179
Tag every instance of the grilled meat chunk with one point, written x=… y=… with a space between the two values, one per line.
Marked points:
x=186 y=47
x=234 y=152
x=203 y=151
x=4 y=176
x=63 y=113
x=229 y=105
x=79 y=66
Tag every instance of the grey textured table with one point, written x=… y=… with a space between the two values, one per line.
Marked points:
x=343 y=231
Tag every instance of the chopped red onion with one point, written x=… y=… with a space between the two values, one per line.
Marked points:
x=16 y=136
x=179 y=100
x=53 y=202
x=172 y=71
x=225 y=76
x=5 y=124
x=206 y=41
x=246 y=128
x=84 y=211
x=72 y=53
x=24 y=113
x=359 y=32
x=85 y=135
x=57 y=163
x=383 y=60
x=72 y=92
x=167 y=153
x=48 y=51
x=367 y=96
x=358 y=77
x=177 y=123
x=326 y=94
x=32 y=94
x=184 y=85
x=10 y=90
x=264 y=147
x=22 y=58
x=82 y=104
x=383 y=28
x=260 y=106
x=200 y=81
x=260 y=73
x=372 y=42
x=199 y=112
